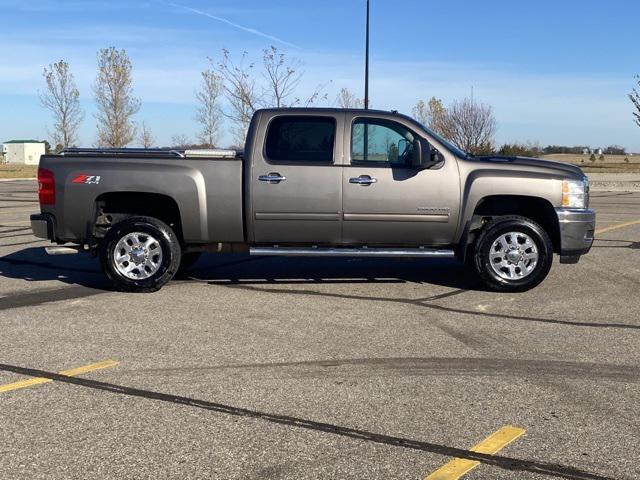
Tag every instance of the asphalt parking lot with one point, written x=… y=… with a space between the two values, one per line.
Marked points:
x=271 y=368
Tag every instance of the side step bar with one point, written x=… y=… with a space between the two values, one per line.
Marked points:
x=62 y=250
x=352 y=252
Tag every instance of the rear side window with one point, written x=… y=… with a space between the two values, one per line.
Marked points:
x=301 y=139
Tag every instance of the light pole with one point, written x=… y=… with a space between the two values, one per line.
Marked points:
x=366 y=64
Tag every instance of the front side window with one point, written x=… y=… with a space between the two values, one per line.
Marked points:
x=296 y=139
x=381 y=142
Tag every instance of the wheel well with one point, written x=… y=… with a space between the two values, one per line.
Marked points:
x=537 y=209
x=114 y=207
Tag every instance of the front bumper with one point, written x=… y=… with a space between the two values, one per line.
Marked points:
x=576 y=232
x=43 y=225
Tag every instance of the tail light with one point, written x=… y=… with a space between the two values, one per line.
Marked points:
x=46 y=187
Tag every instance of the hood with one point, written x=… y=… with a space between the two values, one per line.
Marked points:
x=562 y=168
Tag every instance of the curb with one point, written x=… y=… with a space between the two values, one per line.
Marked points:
x=615 y=189
x=615 y=186
x=16 y=179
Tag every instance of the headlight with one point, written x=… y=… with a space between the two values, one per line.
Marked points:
x=575 y=193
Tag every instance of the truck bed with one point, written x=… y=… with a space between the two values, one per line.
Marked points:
x=207 y=190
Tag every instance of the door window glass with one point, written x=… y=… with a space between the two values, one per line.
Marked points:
x=296 y=139
x=382 y=142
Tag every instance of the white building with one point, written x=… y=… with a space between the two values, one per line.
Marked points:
x=27 y=152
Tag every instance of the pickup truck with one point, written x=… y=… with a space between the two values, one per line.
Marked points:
x=316 y=182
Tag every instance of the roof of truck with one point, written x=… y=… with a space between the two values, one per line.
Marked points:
x=360 y=111
x=327 y=110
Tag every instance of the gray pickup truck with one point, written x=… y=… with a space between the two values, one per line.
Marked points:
x=316 y=182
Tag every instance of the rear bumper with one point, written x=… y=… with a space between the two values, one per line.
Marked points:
x=43 y=225
x=576 y=233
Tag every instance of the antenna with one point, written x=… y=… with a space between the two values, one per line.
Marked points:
x=366 y=64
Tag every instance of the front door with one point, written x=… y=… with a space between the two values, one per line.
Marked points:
x=387 y=201
x=296 y=182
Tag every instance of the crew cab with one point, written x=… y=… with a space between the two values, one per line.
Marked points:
x=316 y=182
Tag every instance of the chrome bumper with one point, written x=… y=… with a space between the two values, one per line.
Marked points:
x=576 y=232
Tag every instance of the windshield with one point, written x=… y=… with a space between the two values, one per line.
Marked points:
x=450 y=146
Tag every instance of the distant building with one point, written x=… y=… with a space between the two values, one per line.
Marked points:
x=586 y=151
x=598 y=151
x=27 y=152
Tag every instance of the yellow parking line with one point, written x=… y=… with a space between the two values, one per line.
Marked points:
x=69 y=373
x=615 y=227
x=491 y=445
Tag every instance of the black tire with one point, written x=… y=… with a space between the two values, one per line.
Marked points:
x=503 y=225
x=187 y=261
x=167 y=266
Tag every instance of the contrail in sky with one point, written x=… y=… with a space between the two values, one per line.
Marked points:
x=229 y=22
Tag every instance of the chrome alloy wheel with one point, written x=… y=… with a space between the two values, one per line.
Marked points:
x=137 y=256
x=513 y=255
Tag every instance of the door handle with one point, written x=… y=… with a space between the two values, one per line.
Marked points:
x=364 y=180
x=272 y=178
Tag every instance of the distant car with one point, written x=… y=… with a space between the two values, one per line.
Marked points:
x=316 y=182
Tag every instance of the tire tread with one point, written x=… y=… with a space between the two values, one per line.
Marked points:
x=484 y=270
x=167 y=236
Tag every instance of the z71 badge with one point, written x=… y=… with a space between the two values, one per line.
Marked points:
x=87 y=179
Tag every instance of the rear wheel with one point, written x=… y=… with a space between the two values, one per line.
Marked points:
x=140 y=254
x=513 y=254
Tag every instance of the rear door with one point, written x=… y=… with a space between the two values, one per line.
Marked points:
x=387 y=201
x=296 y=178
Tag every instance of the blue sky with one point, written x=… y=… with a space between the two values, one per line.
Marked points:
x=555 y=72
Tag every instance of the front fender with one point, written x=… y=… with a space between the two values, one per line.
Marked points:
x=485 y=183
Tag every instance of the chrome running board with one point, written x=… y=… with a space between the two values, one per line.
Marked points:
x=62 y=250
x=352 y=252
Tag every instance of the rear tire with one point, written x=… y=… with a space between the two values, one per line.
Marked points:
x=140 y=254
x=513 y=254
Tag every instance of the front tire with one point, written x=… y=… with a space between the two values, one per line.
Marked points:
x=513 y=254
x=140 y=254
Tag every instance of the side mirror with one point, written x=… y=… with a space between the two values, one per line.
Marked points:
x=425 y=156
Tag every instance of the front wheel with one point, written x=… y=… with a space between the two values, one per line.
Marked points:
x=140 y=254
x=513 y=254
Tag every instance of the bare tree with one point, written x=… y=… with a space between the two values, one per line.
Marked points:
x=347 y=99
x=146 y=137
x=431 y=114
x=62 y=99
x=318 y=95
x=181 y=141
x=114 y=95
x=239 y=87
x=470 y=125
x=282 y=78
x=209 y=113
x=421 y=113
x=275 y=87
x=634 y=96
